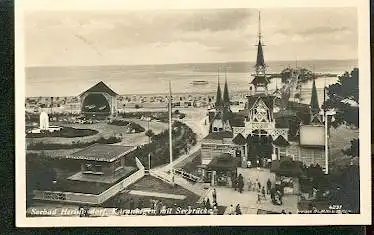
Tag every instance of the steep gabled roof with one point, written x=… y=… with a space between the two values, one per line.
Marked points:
x=260 y=61
x=314 y=106
x=239 y=139
x=260 y=79
x=219 y=135
x=219 y=102
x=281 y=141
x=101 y=87
x=267 y=99
x=226 y=98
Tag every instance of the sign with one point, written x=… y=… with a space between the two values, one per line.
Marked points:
x=311 y=135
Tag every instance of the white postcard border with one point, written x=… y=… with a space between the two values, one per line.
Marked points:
x=259 y=220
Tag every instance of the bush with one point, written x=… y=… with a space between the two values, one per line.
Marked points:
x=135 y=126
x=118 y=122
x=55 y=146
x=66 y=132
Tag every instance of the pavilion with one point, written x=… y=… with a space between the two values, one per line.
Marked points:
x=99 y=101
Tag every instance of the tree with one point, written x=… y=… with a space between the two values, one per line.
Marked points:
x=150 y=133
x=353 y=150
x=343 y=96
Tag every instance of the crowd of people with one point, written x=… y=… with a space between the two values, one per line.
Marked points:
x=263 y=191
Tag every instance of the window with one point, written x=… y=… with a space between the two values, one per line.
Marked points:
x=98 y=168
x=215 y=129
x=89 y=167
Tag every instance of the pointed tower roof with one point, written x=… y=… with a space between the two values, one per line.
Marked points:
x=219 y=102
x=260 y=61
x=226 y=97
x=239 y=139
x=314 y=106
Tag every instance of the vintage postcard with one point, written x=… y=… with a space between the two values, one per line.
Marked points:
x=158 y=113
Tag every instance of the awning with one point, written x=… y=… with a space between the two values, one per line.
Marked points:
x=223 y=162
x=287 y=168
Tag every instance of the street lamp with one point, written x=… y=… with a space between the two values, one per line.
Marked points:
x=327 y=113
x=149 y=141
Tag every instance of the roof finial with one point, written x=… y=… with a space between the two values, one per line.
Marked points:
x=218 y=74
x=259 y=26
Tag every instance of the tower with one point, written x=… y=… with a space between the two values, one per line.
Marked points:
x=226 y=97
x=219 y=102
x=314 y=106
x=260 y=80
x=227 y=113
x=222 y=115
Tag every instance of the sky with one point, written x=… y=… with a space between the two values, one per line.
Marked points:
x=94 y=37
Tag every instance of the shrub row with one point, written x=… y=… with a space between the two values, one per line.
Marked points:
x=77 y=144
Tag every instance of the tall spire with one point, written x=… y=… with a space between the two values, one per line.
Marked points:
x=314 y=106
x=226 y=97
x=219 y=103
x=260 y=61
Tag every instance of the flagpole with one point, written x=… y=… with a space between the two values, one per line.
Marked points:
x=326 y=136
x=170 y=136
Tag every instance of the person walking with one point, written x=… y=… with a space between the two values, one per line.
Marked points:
x=263 y=193
x=259 y=186
x=215 y=210
x=258 y=198
x=214 y=195
x=231 y=210
x=240 y=183
x=208 y=206
x=268 y=184
x=131 y=204
x=235 y=181
x=249 y=184
x=237 y=210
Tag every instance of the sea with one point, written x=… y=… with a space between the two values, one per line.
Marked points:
x=154 y=79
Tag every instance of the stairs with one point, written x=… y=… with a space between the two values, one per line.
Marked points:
x=187 y=175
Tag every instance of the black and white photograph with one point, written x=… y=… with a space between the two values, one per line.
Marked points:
x=206 y=112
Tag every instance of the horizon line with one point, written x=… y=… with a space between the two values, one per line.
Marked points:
x=129 y=65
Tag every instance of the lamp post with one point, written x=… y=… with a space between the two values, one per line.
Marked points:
x=170 y=135
x=149 y=141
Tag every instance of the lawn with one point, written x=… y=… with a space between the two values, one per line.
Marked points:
x=151 y=184
x=104 y=130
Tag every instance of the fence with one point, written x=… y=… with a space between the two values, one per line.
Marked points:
x=91 y=198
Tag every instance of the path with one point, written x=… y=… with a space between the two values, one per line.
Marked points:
x=155 y=194
x=247 y=200
x=195 y=119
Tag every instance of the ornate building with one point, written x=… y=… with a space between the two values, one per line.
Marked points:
x=266 y=129
x=99 y=100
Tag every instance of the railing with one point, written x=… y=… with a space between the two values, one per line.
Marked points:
x=187 y=175
x=89 y=198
